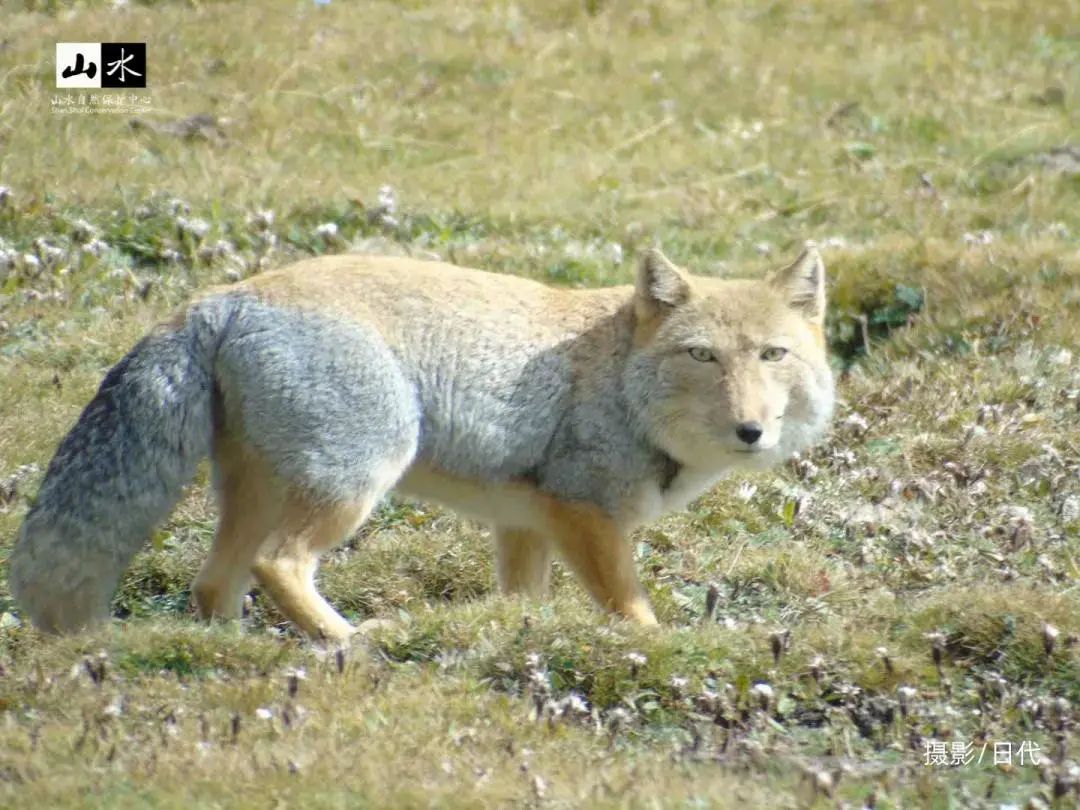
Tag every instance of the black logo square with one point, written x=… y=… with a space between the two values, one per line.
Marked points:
x=123 y=64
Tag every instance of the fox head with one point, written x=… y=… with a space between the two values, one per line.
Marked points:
x=730 y=373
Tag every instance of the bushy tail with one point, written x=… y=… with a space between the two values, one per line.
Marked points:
x=117 y=474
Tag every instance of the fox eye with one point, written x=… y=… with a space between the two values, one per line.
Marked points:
x=773 y=353
x=702 y=355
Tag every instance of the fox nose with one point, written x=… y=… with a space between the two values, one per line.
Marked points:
x=749 y=432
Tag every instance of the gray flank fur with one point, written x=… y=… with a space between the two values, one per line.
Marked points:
x=325 y=401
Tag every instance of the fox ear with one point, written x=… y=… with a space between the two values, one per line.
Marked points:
x=659 y=284
x=803 y=282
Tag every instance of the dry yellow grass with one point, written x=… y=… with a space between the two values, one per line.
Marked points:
x=713 y=115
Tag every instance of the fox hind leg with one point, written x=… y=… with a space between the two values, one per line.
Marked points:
x=287 y=563
x=522 y=561
x=250 y=496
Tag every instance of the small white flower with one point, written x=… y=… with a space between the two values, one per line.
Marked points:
x=619 y=716
x=387 y=199
x=847 y=690
x=95 y=247
x=575 y=704
x=636 y=659
x=50 y=254
x=764 y=248
x=763 y=693
x=263 y=713
x=261 y=220
x=539 y=785
x=1070 y=509
x=196 y=227
x=386 y=207
x=114 y=709
x=328 y=230
x=8 y=258
x=856 y=422
x=708 y=700
x=747 y=132
x=1050 y=634
x=83 y=231
x=978 y=238
x=746 y=491
x=1062 y=357
x=5 y=195
x=823 y=781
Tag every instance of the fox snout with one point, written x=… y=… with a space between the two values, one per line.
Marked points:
x=754 y=433
x=751 y=410
x=749 y=432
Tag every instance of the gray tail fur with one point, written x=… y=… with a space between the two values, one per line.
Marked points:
x=118 y=473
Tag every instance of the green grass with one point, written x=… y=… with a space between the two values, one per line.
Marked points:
x=920 y=144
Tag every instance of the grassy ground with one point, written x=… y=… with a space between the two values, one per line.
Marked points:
x=914 y=579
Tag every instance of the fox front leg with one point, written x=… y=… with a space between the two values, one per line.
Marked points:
x=592 y=545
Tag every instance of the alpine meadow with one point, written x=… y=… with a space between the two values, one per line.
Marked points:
x=889 y=618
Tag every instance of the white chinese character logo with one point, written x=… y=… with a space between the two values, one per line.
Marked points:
x=121 y=65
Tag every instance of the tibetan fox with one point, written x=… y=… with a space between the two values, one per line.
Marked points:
x=563 y=418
